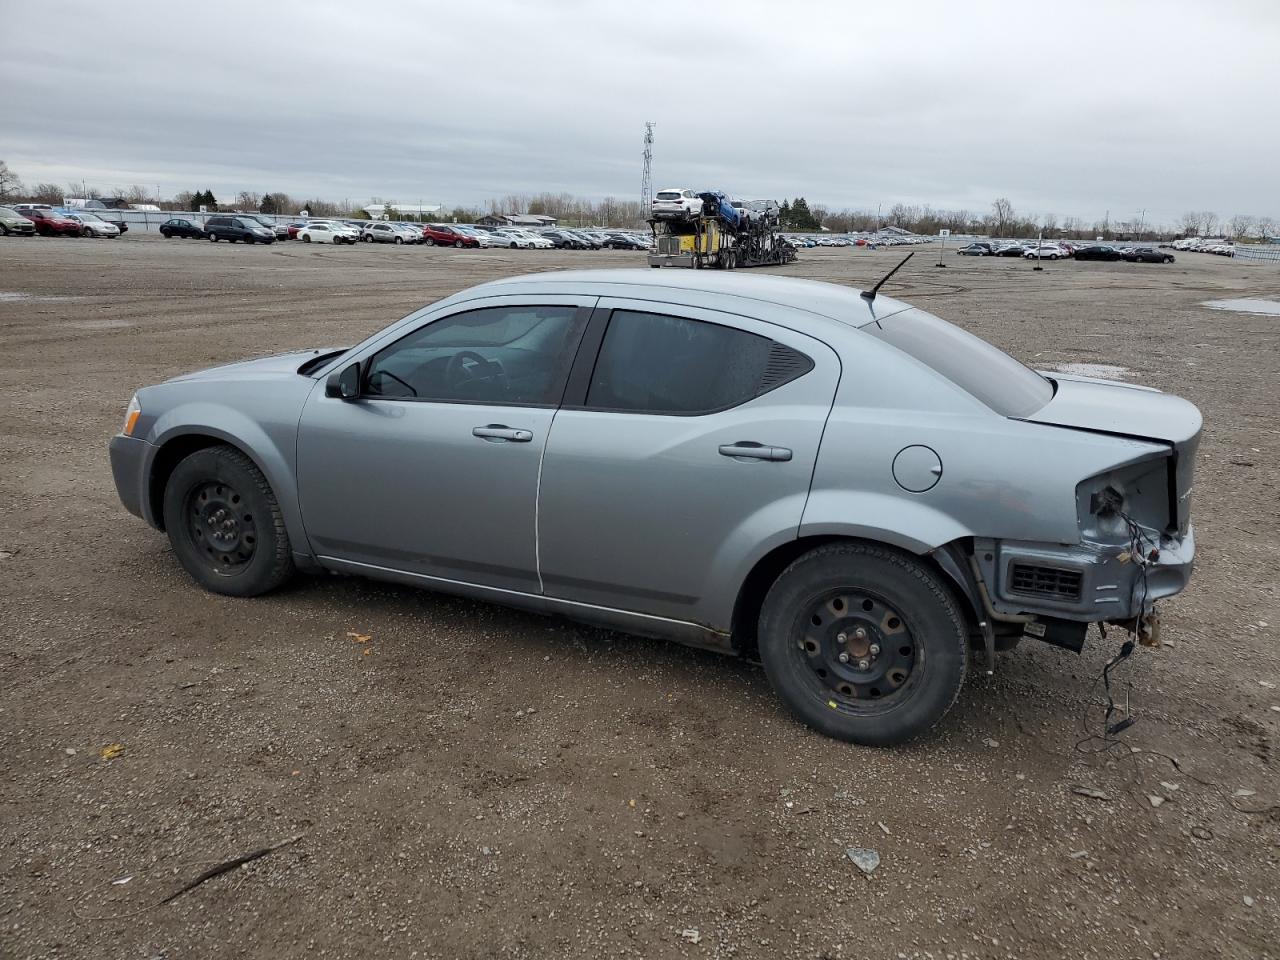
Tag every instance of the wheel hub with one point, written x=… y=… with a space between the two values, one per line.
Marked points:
x=856 y=646
x=221 y=524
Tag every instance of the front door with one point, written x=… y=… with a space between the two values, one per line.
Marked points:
x=692 y=447
x=434 y=469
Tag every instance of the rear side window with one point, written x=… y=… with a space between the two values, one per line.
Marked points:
x=655 y=363
x=990 y=374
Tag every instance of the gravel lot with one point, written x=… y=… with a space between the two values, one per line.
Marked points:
x=473 y=782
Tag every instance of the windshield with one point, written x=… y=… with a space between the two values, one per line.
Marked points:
x=972 y=364
x=669 y=195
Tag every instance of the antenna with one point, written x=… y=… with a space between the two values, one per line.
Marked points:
x=870 y=295
x=646 y=178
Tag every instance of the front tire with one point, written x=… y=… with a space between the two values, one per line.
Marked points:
x=895 y=623
x=213 y=238
x=307 y=238
x=225 y=525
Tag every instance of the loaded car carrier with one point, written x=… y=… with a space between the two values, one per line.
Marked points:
x=723 y=235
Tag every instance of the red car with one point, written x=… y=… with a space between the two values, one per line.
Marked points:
x=50 y=224
x=438 y=234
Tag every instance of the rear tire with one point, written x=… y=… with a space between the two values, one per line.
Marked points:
x=896 y=616
x=213 y=238
x=457 y=244
x=225 y=525
x=399 y=239
x=307 y=238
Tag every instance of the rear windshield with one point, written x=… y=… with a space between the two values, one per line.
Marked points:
x=669 y=195
x=972 y=364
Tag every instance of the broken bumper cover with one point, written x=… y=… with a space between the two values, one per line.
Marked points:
x=1090 y=582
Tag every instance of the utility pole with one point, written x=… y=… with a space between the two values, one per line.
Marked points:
x=646 y=178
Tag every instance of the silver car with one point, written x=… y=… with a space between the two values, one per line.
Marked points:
x=848 y=488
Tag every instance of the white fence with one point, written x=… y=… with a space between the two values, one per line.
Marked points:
x=1258 y=252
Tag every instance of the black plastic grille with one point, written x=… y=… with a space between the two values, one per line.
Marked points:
x=1051 y=583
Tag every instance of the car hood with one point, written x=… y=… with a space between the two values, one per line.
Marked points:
x=283 y=365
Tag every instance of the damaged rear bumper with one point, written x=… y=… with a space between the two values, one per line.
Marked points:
x=1088 y=582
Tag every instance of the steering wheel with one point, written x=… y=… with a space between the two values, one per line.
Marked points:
x=457 y=371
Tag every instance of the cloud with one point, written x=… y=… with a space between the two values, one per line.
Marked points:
x=1067 y=108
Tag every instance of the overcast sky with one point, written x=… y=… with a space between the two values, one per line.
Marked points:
x=1073 y=107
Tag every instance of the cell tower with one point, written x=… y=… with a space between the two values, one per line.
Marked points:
x=646 y=179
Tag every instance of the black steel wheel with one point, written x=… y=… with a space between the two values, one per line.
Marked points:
x=864 y=643
x=225 y=525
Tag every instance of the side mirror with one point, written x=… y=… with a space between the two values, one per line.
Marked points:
x=344 y=384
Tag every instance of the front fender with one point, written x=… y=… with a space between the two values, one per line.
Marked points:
x=271 y=446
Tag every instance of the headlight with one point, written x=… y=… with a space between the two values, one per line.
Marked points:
x=131 y=416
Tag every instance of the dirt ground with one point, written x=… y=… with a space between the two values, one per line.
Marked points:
x=473 y=782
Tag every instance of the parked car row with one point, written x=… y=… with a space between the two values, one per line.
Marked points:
x=852 y=240
x=29 y=219
x=252 y=229
x=1063 y=250
x=1216 y=245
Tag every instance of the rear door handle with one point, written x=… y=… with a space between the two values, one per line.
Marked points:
x=501 y=433
x=750 y=450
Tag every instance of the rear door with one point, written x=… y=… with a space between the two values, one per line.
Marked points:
x=680 y=455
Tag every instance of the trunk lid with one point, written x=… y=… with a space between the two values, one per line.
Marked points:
x=1127 y=410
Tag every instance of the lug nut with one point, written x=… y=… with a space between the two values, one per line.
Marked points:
x=875 y=649
x=842 y=637
x=863 y=664
x=844 y=657
x=860 y=633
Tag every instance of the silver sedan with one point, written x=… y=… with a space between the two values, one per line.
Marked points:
x=850 y=489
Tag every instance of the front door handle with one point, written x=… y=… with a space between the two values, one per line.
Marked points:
x=750 y=450
x=501 y=433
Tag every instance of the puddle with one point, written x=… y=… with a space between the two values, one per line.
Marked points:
x=8 y=296
x=110 y=324
x=1102 y=371
x=1268 y=308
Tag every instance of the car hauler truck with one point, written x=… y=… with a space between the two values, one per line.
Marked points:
x=724 y=234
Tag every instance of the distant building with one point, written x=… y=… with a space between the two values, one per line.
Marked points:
x=518 y=220
x=381 y=209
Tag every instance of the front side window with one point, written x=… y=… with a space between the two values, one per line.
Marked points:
x=654 y=363
x=498 y=355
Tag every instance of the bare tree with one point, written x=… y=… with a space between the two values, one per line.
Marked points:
x=1002 y=217
x=10 y=185
x=1209 y=222
x=1266 y=227
x=1241 y=226
x=45 y=193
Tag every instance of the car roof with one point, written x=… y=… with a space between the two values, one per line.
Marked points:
x=829 y=300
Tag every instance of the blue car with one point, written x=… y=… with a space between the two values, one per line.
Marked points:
x=716 y=204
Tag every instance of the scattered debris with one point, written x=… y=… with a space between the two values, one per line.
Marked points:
x=1155 y=800
x=113 y=750
x=70 y=751
x=1079 y=854
x=1266 y=683
x=1168 y=786
x=1093 y=792
x=881 y=825
x=1248 y=901
x=990 y=742
x=8 y=554
x=864 y=858
x=359 y=637
x=691 y=935
x=1202 y=833
x=1244 y=792
x=121 y=882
